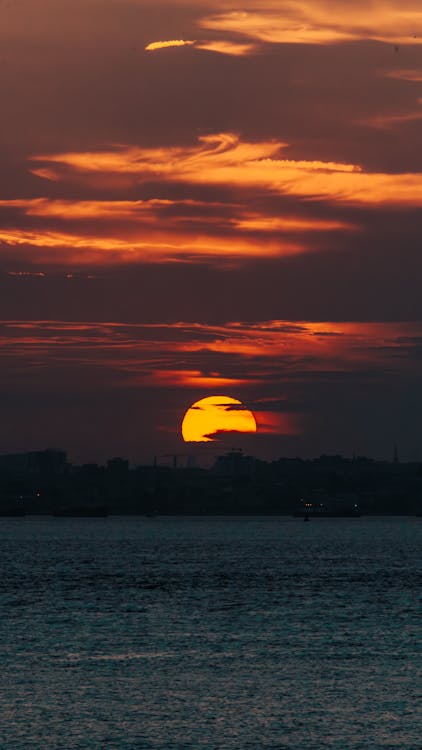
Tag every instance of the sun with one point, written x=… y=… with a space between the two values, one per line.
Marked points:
x=214 y=414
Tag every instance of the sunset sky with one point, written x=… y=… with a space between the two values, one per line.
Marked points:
x=201 y=197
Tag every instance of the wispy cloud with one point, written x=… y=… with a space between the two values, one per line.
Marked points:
x=260 y=204
x=319 y=21
x=178 y=353
x=153 y=46
x=387 y=121
x=220 y=46
x=405 y=74
x=157 y=229
x=227 y=47
x=226 y=159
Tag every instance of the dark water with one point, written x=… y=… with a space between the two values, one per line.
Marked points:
x=129 y=633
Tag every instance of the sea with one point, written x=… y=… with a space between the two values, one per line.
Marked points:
x=132 y=633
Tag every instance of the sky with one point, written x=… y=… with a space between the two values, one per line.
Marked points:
x=204 y=197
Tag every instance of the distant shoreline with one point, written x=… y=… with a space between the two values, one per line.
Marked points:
x=316 y=517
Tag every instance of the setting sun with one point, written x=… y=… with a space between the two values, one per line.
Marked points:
x=214 y=414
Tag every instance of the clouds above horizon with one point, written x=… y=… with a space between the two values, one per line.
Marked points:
x=204 y=161
x=249 y=180
x=290 y=374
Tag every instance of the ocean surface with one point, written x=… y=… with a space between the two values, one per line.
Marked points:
x=211 y=633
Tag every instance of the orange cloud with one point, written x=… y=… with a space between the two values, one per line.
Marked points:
x=141 y=215
x=194 y=378
x=276 y=423
x=227 y=47
x=221 y=46
x=152 y=247
x=412 y=74
x=390 y=121
x=268 y=26
x=319 y=21
x=224 y=159
x=122 y=231
x=261 y=223
x=79 y=209
x=170 y=43
x=217 y=151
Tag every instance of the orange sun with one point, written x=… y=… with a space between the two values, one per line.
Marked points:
x=214 y=414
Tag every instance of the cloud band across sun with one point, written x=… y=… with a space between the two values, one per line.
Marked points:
x=280 y=369
x=214 y=415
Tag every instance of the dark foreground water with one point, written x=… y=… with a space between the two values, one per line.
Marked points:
x=127 y=633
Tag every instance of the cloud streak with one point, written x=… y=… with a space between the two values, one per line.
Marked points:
x=225 y=159
x=153 y=46
x=220 y=46
x=258 y=205
x=242 y=353
x=317 y=22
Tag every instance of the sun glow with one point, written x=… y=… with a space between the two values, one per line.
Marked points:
x=216 y=414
